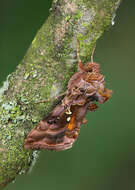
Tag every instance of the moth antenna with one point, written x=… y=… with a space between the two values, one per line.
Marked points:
x=3 y=149
x=50 y=99
x=80 y=65
x=92 y=54
x=77 y=51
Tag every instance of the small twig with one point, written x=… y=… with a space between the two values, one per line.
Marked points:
x=51 y=99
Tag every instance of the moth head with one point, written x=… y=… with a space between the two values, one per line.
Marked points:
x=92 y=67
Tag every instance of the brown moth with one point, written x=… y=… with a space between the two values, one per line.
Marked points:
x=60 y=129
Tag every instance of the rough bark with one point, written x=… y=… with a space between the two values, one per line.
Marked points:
x=44 y=72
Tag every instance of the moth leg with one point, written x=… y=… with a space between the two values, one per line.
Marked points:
x=51 y=99
x=105 y=94
x=84 y=121
x=93 y=107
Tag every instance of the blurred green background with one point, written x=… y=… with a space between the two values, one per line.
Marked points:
x=103 y=158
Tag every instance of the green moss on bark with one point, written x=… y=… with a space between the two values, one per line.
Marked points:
x=44 y=72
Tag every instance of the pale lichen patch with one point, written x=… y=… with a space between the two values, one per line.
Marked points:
x=61 y=29
x=5 y=86
x=55 y=90
x=69 y=7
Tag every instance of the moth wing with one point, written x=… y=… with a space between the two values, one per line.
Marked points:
x=50 y=139
x=48 y=145
x=52 y=133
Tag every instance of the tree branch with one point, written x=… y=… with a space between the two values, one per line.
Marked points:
x=44 y=72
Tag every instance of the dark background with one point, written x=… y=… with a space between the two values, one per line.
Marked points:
x=103 y=158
